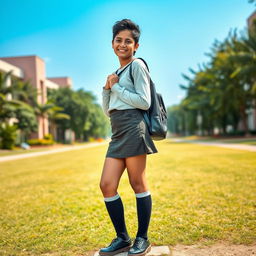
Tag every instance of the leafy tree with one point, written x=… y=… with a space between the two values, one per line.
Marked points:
x=97 y=123
x=225 y=88
x=85 y=117
x=252 y=1
x=14 y=103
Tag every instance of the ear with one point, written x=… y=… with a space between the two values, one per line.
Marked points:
x=136 y=46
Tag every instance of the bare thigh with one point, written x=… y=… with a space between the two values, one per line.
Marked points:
x=112 y=171
x=136 y=168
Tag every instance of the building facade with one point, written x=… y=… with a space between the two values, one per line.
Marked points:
x=32 y=69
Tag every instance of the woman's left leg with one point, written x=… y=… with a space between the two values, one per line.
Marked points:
x=136 y=168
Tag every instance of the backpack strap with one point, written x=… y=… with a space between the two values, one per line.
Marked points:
x=123 y=70
x=144 y=63
x=130 y=71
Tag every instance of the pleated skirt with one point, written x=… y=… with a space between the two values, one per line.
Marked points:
x=130 y=136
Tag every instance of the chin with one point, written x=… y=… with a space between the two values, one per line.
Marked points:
x=125 y=56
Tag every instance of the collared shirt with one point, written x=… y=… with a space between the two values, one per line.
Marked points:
x=125 y=94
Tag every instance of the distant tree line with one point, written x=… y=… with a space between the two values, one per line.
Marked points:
x=86 y=116
x=65 y=109
x=222 y=92
x=252 y=1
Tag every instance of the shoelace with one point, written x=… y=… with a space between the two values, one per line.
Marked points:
x=113 y=241
x=137 y=243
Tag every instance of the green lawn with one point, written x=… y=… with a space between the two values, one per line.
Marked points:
x=52 y=205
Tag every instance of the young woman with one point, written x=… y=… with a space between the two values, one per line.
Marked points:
x=130 y=140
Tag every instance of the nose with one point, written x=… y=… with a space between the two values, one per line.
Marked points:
x=122 y=43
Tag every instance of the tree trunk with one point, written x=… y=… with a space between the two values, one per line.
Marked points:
x=244 y=120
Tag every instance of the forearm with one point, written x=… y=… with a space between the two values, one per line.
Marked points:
x=135 y=99
x=105 y=101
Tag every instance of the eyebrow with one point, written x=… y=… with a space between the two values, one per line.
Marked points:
x=118 y=37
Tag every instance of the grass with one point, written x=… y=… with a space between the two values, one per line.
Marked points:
x=52 y=205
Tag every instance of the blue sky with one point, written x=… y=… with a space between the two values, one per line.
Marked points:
x=74 y=37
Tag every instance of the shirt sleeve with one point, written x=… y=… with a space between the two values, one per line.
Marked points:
x=141 y=97
x=105 y=101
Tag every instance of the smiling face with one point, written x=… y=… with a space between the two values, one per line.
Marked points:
x=124 y=44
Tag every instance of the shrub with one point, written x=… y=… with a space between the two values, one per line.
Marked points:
x=8 y=134
x=99 y=139
x=40 y=142
x=48 y=137
x=235 y=133
x=253 y=132
x=91 y=139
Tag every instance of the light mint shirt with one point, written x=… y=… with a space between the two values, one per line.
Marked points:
x=125 y=94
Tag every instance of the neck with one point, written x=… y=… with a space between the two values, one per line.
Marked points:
x=124 y=62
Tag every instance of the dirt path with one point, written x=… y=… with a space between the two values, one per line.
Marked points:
x=220 y=249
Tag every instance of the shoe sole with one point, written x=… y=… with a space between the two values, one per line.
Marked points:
x=125 y=249
x=143 y=253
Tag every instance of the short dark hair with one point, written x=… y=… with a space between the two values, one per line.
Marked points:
x=127 y=24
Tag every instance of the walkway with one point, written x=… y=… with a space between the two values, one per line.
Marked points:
x=220 y=144
x=218 y=249
x=51 y=151
x=155 y=251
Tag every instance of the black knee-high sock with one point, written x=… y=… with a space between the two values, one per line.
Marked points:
x=116 y=212
x=144 y=207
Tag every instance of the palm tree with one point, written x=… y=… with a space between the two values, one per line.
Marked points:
x=12 y=110
x=244 y=56
x=9 y=105
x=24 y=91
x=55 y=114
x=241 y=53
x=51 y=112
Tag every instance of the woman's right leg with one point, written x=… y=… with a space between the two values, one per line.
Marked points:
x=112 y=171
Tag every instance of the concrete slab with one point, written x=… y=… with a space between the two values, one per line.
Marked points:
x=218 y=249
x=119 y=254
x=155 y=251
x=159 y=250
x=178 y=253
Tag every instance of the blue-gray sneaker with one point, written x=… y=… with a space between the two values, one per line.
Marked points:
x=117 y=245
x=141 y=247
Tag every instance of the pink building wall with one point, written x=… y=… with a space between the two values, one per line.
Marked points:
x=34 y=71
x=250 y=19
x=61 y=81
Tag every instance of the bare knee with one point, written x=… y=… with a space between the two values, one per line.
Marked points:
x=108 y=189
x=138 y=185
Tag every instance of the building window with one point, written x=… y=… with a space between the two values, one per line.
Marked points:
x=42 y=91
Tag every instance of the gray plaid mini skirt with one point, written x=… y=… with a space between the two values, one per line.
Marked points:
x=130 y=136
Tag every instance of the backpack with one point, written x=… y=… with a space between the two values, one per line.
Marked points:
x=156 y=116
